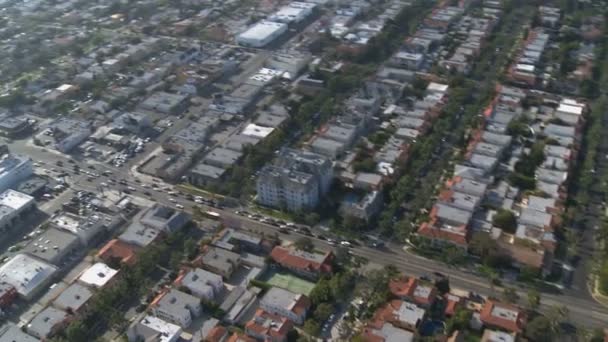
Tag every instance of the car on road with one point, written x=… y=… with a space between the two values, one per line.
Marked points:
x=147 y=193
x=179 y=206
x=331 y=242
x=173 y=200
x=345 y=243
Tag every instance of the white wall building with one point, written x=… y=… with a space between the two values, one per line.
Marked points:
x=261 y=34
x=27 y=274
x=97 y=276
x=13 y=169
x=295 y=12
x=12 y=205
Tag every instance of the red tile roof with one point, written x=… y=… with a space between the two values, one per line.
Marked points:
x=504 y=316
x=116 y=249
x=403 y=286
x=452 y=303
x=216 y=334
x=273 y=327
x=240 y=338
x=290 y=259
x=432 y=232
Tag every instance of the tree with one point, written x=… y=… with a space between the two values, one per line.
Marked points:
x=533 y=299
x=76 y=331
x=459 y=321
x=323 y=311
x=304 y=244
x=190 y=248
x=510 y=295
x=311 y=327
x=321 y=292
x=539 y=329
x=505 y=220
x=482 y=245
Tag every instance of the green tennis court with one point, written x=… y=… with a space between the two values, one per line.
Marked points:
x=291 y=283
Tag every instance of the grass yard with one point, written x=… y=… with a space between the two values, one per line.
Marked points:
x=291 y=283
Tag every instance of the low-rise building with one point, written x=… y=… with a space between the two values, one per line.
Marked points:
x=47 y=323
x=238 y=303
x=53 y=246
x=267 y=327
x=201 y=283
x=14 y=168
x=12 y=333
x=14 y=205
x=67 y=133
x=117 y=252
x=151 y=328
x=74 y=299
x=220 y=261
x=503 y=316
x=286 y=304
x=27 y=274
x=308 y=264
x=176 y=307
x=401 y=314
x=98 y=276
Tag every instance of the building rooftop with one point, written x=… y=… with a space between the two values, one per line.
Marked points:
x=15 y=200
x=220 y=259
x=42 y=325
x=50 y=244
x=152 y=327
x=26 y=273
x=262 y=29
x=175 y=301
x=98 y=275
x=73 y=297
x=281 y=298
x=504 y=316
x=12 y=333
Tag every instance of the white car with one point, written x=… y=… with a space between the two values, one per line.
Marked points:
x=173 y=200
x=179 y=206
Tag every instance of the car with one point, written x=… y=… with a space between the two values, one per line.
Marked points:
x=131 y=188
x=173 y=200
x=345 y=243
x=283 y=230
x=91 y=167
x=331 y=242
x=147 y=193
x=179 y=206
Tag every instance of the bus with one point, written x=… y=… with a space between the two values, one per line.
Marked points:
x=212 y=215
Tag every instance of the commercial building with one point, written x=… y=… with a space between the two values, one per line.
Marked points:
x=85 y=228
x=53 y=246
x=261 y=34
x=296 y=181
x=286 y=304
x=293 y=13
x=176 y=307
x=14 y=168
x=67 y=133
x=166 y=103
x=150 y=223
x=47 y=323
x=97 y=276
x=27 y=274
x=151 y=328
x=13 y=206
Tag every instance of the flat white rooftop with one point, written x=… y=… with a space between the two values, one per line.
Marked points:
x=15 y=199
x=97 y=275
x=26 y=273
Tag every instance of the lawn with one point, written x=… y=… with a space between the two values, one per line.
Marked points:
x=291 y=283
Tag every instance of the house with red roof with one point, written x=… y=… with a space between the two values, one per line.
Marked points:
x=503 y=316
x=307 y=264
x=268 y=327
x=117 y=251
x=413 y=290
